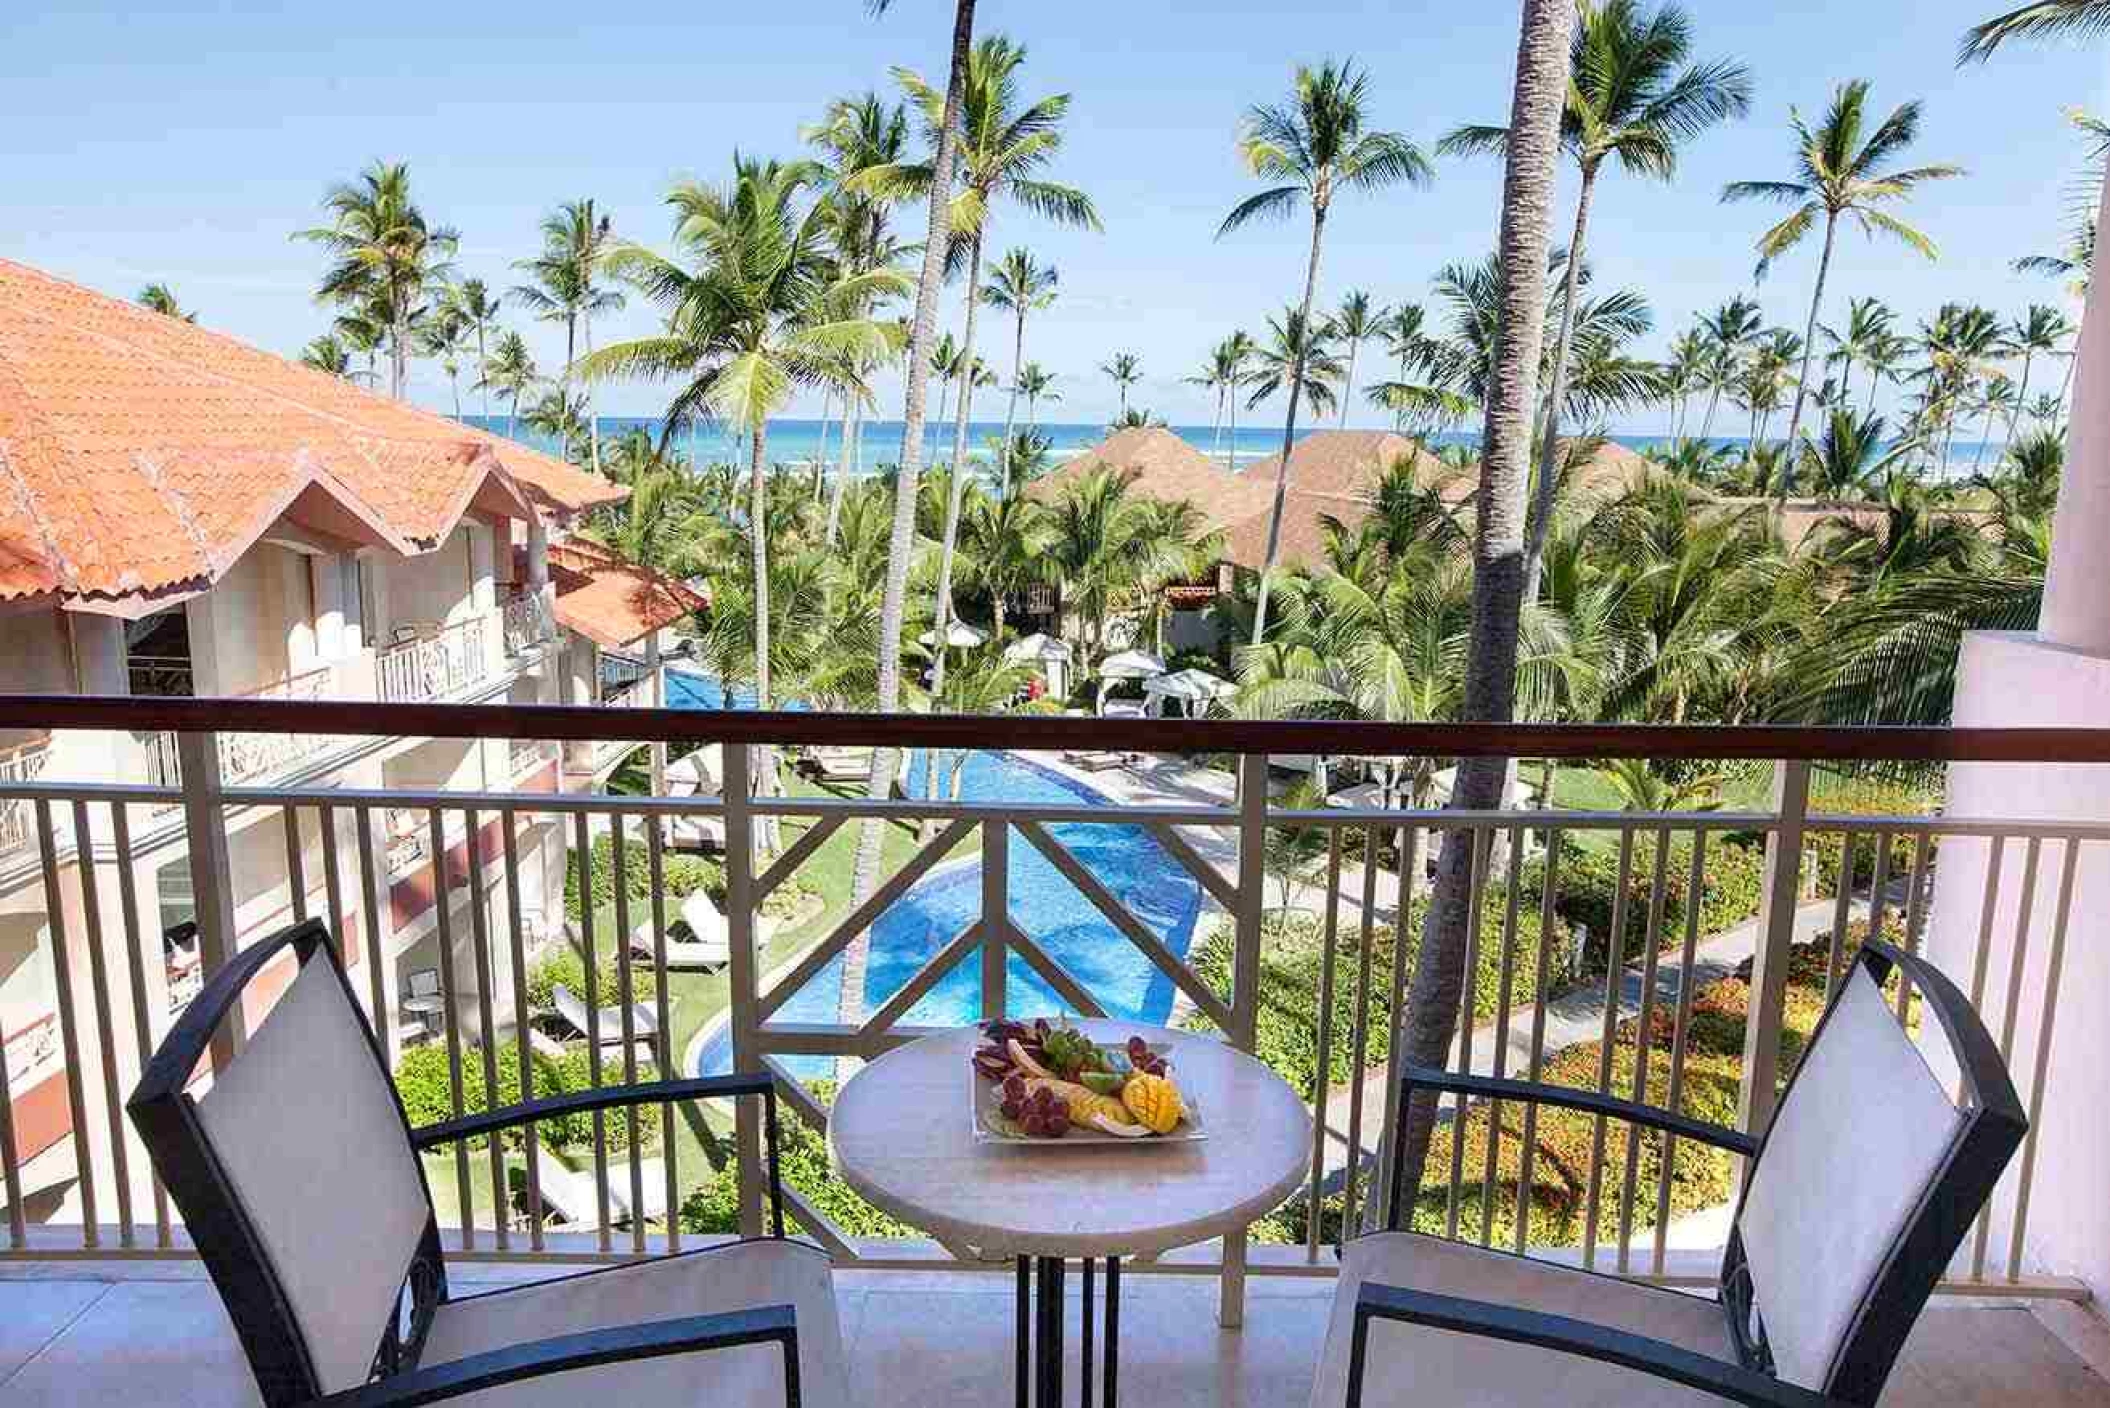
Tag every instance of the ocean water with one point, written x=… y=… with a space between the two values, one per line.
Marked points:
x=800 y=442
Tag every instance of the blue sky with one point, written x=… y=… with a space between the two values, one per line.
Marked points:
x=185 y=142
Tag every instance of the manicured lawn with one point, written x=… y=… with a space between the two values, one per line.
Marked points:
x=697 y=999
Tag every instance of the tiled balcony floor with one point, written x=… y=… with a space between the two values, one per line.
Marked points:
x=155 y=1334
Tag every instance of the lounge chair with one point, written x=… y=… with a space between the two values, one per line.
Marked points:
x=710 y=947
x=696 y=833
x=568 y=1197
x=838 y=763
x=297 y=1176
x=1123 y=709
x=1095 y=759
x=1863 y=1186
x=643 y=1024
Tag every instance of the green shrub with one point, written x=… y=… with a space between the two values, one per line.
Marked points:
x=1864 y=797
x=562 y=964
x=681 y=876
x=1732 y=883
x=714 y=1208
x=426 y=1089
x=1292 y=957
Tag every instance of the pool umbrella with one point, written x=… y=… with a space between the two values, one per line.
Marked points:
x=1131 y=665
x=1195 y=689
x=958 y=636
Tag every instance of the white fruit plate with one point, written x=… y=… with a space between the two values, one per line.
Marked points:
x=986 y=1100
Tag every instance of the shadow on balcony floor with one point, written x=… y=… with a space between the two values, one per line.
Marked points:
x=155 y=1334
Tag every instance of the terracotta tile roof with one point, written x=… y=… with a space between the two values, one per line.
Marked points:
x=1166 y=467
x=610 y=601
x=1303 y=541
x=1343 y=462
x=141 y=455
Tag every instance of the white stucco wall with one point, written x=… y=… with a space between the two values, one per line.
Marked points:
x=2014 y=680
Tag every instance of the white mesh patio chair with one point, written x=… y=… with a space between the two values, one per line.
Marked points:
x=299 y=1180
x=1853 y=1203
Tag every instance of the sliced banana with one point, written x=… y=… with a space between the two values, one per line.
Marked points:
x=1114 y=1126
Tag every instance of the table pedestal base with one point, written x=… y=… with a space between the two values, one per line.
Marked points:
x=1040 y=1331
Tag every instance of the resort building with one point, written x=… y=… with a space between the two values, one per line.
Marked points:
x=182 y=515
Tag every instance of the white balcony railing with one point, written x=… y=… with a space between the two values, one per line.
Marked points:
x=245 y=757
x=1612 y=939
x=436 y=664
x=528 y=621
x=23 y=763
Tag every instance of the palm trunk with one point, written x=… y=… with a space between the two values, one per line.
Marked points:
x=959 y=465
x=842 y=474
x=2021 y=400
x=1348 y=386
x=1809 y=343
x=483 y=376
x=1498 y=576
x=571 y=340
x=901 y=542
x=1231 y=431
x=820 y=452
x=1289 y=419
x=1541 y=526
x=398 y=360
x=1714 y=399
x=454 y=389
x=1018 y=362
x=758 y=535
x=593 y=421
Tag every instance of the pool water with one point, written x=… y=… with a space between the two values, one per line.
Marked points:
x=1153 y=886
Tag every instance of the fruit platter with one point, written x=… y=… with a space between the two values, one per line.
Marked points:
x=1043 y=1083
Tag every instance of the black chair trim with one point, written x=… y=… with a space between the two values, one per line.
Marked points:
x=775 y=1324
x=618 y=1096
x=1561 y=1334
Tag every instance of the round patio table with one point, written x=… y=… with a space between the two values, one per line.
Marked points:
x=902 y=1134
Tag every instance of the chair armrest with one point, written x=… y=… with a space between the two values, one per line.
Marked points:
x=1587 y=1101
x=1563 y=1335
x=617 y=1096
x=774 y=1324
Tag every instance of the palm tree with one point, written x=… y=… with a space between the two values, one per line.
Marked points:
x=2041 y=329
x=443 y=336
x=385 y=259
x=1003 y=549
x=1289 y=361
x=511 y=373
x=1018 y=285
x=363 y=335
x=1037 y=384
x=1239 y=351
x=753 y=314
x=472 y=301
x=1541 y=88
x=1850 y=453
x=2039 y=19
x=1124 y=369
x=1214 y=377
x=1867 y=330
x=1731 y=329
x=1407 y=345
x=1003 y=146
x=1315 y=146
x=857 y=135
x=1839 y=172
x=1355 y=322
x=1684 y=372
x=565 y=287
x=1632 y=96
x=327 y=354
x=160 y=298
x=1111 y=547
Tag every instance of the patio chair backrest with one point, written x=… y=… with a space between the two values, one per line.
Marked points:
x=295 y=1175
x=1866 y=1181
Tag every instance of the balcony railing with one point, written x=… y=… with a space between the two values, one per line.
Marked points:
x=436 y=664
x=24 y=762
x=528 y=621
x=246 y=756
x=1674 y=958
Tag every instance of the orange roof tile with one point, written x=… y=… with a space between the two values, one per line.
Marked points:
x=610 y=601
x=140 y=454
x=1342 y=462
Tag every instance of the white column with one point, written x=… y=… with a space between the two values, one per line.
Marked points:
x=296 y=590
x=326 y=582
x=99 y=653
x=483 y=586
x=2077 y=580
x=537 y=555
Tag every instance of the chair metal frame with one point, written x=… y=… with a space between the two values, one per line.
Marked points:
x=234 y=1255
x=1992 y=1128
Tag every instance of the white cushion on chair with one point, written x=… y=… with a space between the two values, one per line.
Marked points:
x=308 y=1131
x=738 y=1276
x=1416 y=1365
x=1862 y=1135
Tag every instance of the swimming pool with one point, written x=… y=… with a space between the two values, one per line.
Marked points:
x=1126 y=859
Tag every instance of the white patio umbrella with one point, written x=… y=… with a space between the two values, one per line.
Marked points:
x=697 y=772
x=1131 y=665
x=1193 y=689
x=1035 y=648
x=958 y=636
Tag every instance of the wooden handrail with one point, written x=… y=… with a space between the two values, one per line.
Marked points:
x=1244 y=736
